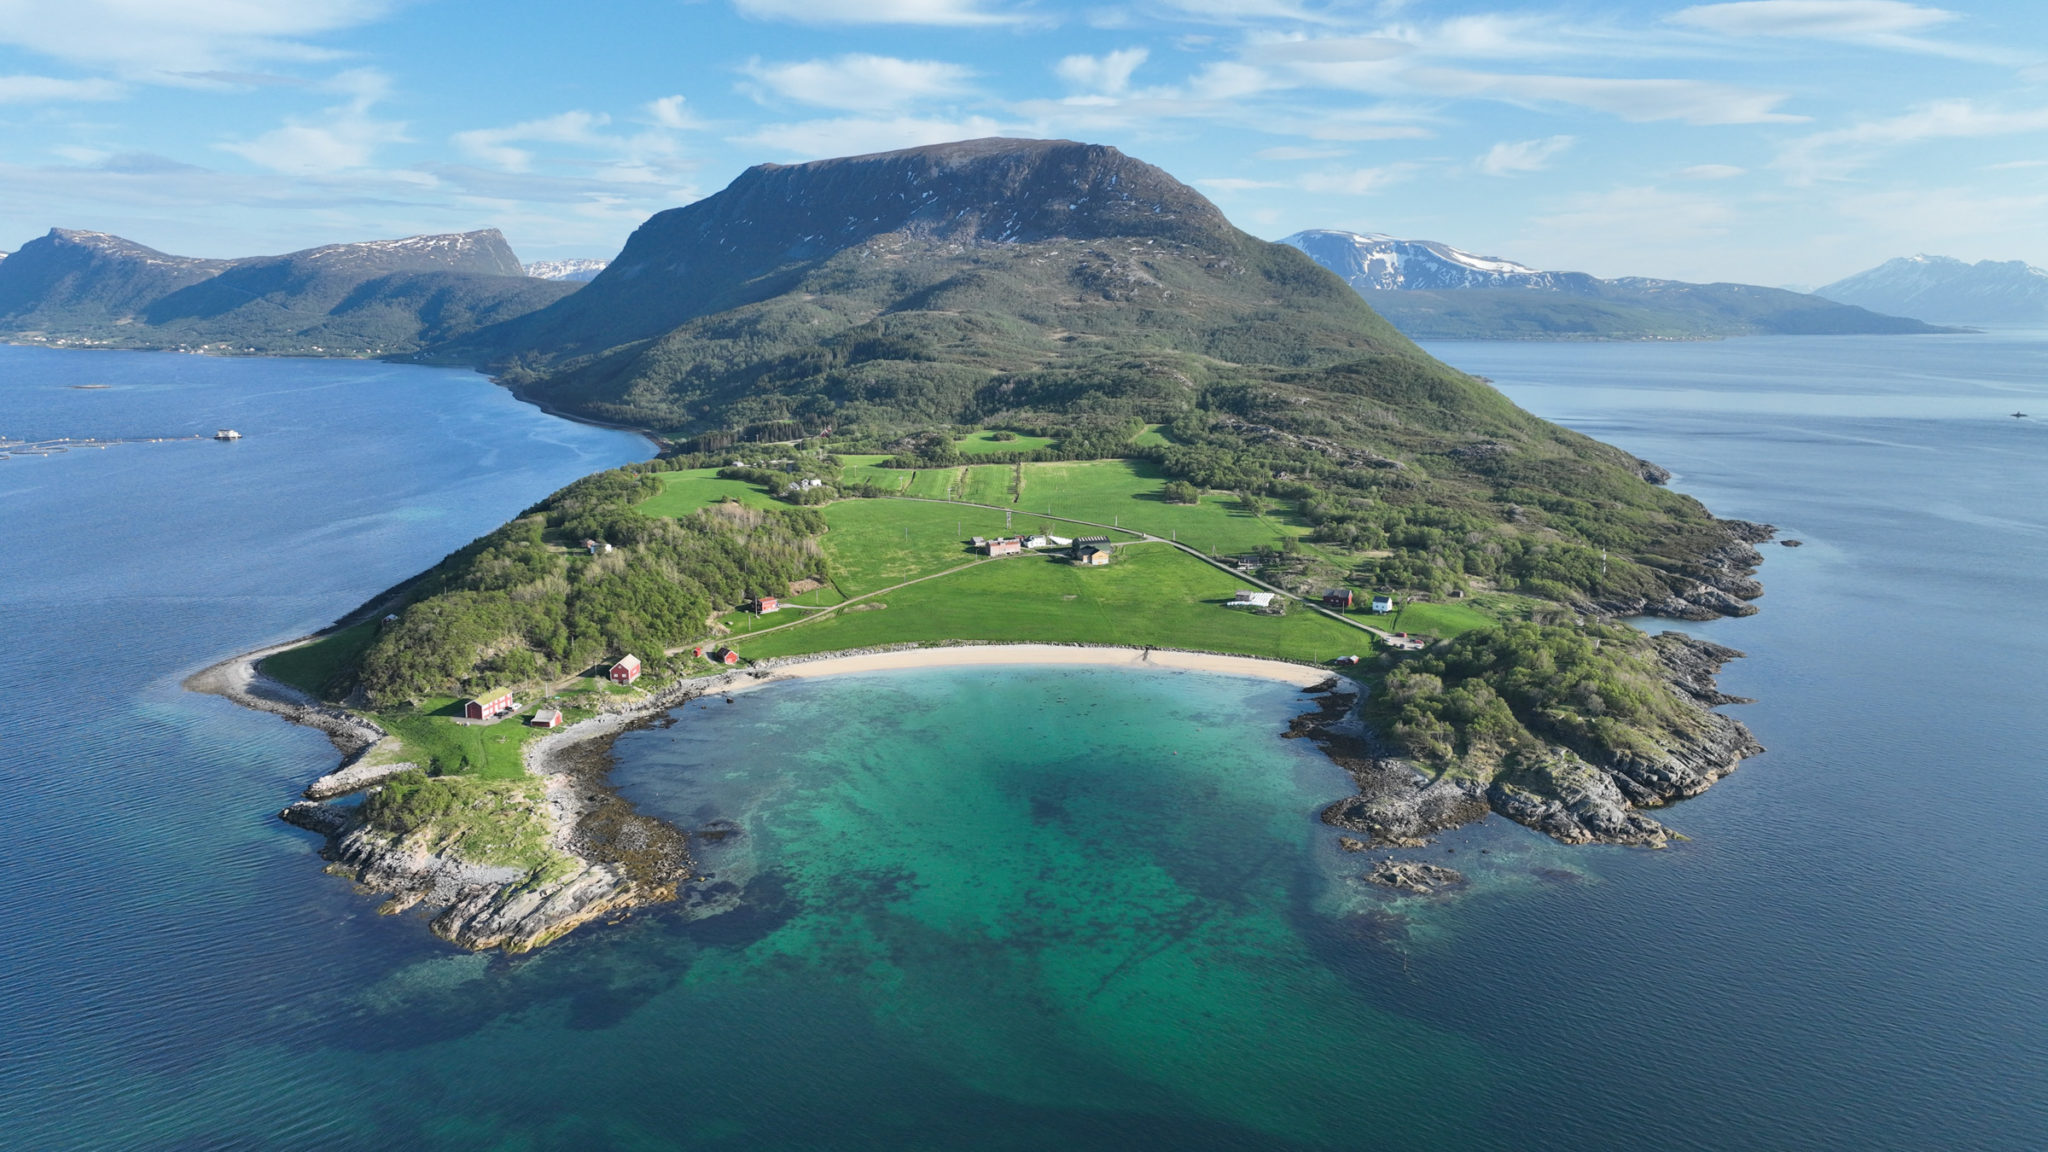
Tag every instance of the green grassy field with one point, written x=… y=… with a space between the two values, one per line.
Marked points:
x=310 y=668
x=1153 y=594
x=865 y=469
x=989 y=484
x=977 y=443
x=1428 y=619
x=1128 y=493
x=433 y=740
x=933 y=483
x=875 y=543
x=1152 y=437
x=684 y=492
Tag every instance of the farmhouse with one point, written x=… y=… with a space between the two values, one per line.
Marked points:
x=626 y=670
x=1337 y=598
x=1246 y=598
x=489 y=707
x=1383 y=604
x=1004 y=546
x=767 y=604
x=548 y=718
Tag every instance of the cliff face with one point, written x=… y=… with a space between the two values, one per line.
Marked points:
x=755 y=238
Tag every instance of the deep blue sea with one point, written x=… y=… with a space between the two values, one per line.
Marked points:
x=1035 y=908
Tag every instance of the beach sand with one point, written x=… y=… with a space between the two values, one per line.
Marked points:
x=1299 y=675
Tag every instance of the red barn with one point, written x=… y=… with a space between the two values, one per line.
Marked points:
x=767 y=604
x=548 y=718
x=1337 y=598
x=626 y=670
x=489 y=707
x=726 y=656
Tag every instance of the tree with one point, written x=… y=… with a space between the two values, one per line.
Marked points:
x=1182 y=492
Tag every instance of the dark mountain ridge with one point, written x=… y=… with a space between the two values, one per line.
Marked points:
x=362 y=298
x=1431 y=290
x=760 y=234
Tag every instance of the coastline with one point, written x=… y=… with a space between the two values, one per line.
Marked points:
x=613 y=858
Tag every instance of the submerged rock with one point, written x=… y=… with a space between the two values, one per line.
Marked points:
x=1414 y=876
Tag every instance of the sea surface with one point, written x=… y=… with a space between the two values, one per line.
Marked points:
x=1035 y=908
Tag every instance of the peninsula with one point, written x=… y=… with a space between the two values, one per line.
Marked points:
x=1007 y=392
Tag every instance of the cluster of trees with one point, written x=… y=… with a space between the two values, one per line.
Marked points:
x=526 y=601
x=1476 y=702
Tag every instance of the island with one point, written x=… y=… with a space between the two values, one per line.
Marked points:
x=1007 y=400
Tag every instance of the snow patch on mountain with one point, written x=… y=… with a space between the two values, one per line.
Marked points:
x=1943 y=288
x=566 y=269
x=1373 y=262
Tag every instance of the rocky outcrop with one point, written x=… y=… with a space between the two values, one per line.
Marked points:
x=1414 y=876
x=1557 y=792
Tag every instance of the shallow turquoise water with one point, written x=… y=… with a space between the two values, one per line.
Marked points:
x=992 y=909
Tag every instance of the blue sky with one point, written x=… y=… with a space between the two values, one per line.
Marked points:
x=1771 y=141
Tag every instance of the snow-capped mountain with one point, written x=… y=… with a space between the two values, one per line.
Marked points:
x=1944 y=288
x=566 y=269
x=1372 y=262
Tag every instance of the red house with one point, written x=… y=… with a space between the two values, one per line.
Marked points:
x=626 y=670
x=547 y=718
x=1337 y=598
x=489 y=707
x=726 y=656
x=767 y=604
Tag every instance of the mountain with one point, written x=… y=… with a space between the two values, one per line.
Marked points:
x=583 y=270
x=339 y=299
x=1943 y=288
x=1434 y=291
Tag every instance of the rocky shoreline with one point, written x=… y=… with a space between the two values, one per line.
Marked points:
x=1568 y=798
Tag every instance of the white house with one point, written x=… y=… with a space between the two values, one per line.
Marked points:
x=1246 y=598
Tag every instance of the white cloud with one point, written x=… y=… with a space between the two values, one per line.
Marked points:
x=343 y=137
x=494 y=146
x=1814 y=19
x=1523 y=156
x=1692 y=101
x=1326 y=50
x=1632 y=231
x=1836 y=153
x=160 y=38
x=669 y=112
x=1295 y=153
x=860 y=83
x=48 y=89
x=1712 y=172
x=850 y=136
x=1252 y=11
x=1357 y=181
x=954 y=13
x=1109 y=74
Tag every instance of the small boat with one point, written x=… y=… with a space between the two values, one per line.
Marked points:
x=2019 y=415
x=227 y=434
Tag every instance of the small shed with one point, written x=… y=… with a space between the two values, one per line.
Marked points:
x=1337 y=598
x=548 y=718
x=1246 y=598
x=489 y=706
x=626 y=670
x=726 y=656
x=1383 y=604
x=1005 y=546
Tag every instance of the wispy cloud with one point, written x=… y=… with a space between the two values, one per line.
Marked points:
x=49 y=89
x=1505 y=159
x=846 y=136
x=585 y=142
x=1712 y=172
x=943 y=13
x=168 y=39
x=1886 y=24
x=1836 y=153
x=343 y=137
x=1691 y=101
x=858 y=82
x=1108 y=74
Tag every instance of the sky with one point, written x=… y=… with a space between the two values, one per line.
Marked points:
x=1782 y=142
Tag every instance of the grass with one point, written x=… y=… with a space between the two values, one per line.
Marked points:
x=490 y=822
x=859 y=469
x=976 y=443
x=312 y=667
x=875 y=543
x=1152 y=437
x=933 y=483
x=1429 y=619
x=432 y=739
x=684 y=492
x=1153 y=594
x=988 y=484
x=1129 y=493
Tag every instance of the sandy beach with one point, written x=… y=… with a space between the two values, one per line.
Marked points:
x=1300 y=675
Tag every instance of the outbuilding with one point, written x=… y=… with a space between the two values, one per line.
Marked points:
x=726 y=656
x=1246 y=598
x=1337 y=598
x=626 y=670
x=767 y=604
x=489 y=707
x=1004 y=546
x=548 y=718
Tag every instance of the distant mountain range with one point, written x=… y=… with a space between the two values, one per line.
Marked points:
x=581 y=270
x=1434 y=291
x=1943 y=288
x=371 y=298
